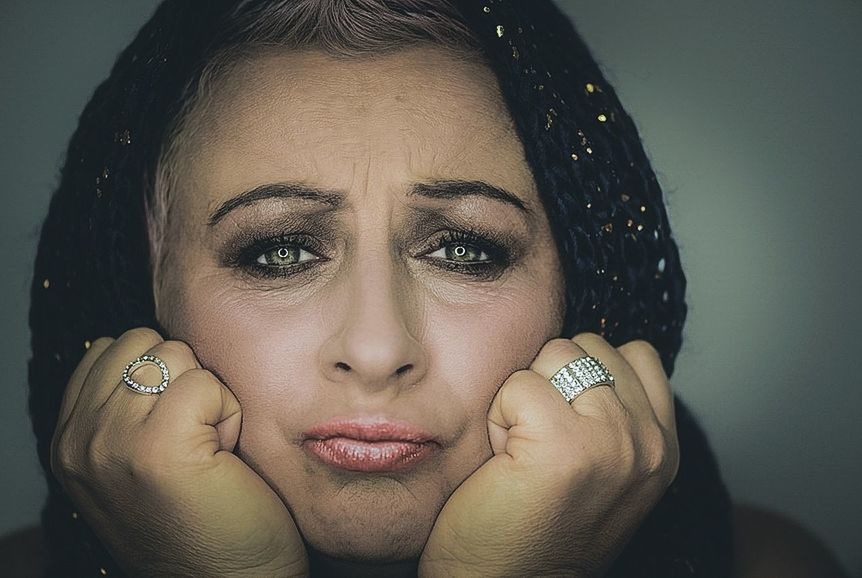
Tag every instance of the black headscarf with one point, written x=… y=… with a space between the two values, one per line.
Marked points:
x=606 y=209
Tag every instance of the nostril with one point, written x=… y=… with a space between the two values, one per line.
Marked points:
x=404 y=368
x=342 y=365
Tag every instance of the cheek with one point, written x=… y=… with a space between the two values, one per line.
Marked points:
x=264 y=354
x=268 y=354
x=476 y=350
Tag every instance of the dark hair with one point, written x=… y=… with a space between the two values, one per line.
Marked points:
x=606 y=209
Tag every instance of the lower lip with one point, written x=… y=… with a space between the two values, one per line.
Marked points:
x=366 y=456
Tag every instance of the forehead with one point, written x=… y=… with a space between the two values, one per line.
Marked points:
x=412 y=115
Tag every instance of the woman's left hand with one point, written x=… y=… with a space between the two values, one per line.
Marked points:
x=568 y=483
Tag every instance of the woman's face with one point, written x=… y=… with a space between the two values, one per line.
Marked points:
x=368 y=299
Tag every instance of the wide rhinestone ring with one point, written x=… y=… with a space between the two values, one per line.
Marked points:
x=135 y=386
x=579 y=375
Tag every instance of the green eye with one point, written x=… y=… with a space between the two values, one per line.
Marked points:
x=469 y=253
x=283 y=256
x=461 y=253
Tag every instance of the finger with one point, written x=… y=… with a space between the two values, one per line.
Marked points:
x=108 y=369
x=626 y=380
x=128 y=404
x=71 y=394
x=527 y=409
x=198 y=403
x=553 y=356
x=646 y=361
x=73 y=388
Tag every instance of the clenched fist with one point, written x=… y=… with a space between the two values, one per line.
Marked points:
x=568 y=483
x=155 y=476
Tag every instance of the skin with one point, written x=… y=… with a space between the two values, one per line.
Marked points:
x=388 y=334
x=330 y=340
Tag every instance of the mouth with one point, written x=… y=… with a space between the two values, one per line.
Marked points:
x=370 y=446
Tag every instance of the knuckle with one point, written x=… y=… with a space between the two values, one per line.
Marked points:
x=661 y=460
x=614 y=452
x=64 y=459
x=655 y=464
x=617 y=413
x=525 y=380
x=98 y=452
x=200 y=377
x=627 y=454
x=102 y=342
x=516 y=383
x=198 y=383
x=556 y=347
x=520 y=376
x=589 y=339
x=640 y=349
x=606 y=411
x=143 y=334
x=179 y=349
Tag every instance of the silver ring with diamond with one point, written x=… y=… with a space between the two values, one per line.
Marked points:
x=579 y=375
x=139 y=388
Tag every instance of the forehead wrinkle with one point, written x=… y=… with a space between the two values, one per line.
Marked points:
x=257 y=104
x=485 y=128
x=487 y=125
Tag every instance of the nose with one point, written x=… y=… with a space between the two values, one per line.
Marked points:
x=374 y=350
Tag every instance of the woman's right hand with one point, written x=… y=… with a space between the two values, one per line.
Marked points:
x=155 y=476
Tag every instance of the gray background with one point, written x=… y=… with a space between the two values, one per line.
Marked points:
x=749 y=113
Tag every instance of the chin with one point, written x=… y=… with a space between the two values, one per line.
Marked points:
x=370 y=519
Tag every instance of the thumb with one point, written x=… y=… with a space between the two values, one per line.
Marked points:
x=527 y=416
x=229 y=427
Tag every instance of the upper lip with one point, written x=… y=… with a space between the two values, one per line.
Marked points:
x=370 y=429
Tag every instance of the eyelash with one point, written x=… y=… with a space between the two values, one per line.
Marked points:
x=487 y=269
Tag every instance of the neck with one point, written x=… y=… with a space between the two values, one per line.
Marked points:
x=321 y=565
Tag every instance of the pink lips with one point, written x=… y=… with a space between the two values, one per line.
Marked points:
x=369 y=446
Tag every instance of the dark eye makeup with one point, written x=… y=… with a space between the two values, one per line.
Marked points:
x=278 y=256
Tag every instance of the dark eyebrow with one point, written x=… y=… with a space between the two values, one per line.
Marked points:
x=450 y=189
x=276 y=191
x=443 y=189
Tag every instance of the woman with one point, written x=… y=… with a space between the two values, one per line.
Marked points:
x=360 y=240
